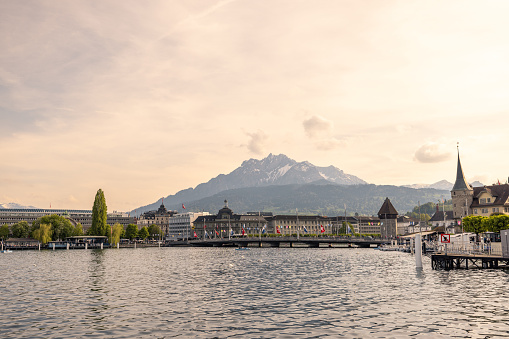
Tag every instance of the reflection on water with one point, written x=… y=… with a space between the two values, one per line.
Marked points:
x=262 y=293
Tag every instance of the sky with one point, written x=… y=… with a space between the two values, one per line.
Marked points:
x=145 y=98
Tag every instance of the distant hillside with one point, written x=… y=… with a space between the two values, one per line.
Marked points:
x=270 y=171
x=316 y=199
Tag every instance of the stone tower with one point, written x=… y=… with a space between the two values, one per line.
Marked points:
x=462 y=194
x=388 y=220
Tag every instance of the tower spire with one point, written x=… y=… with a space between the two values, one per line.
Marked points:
x=460 y=184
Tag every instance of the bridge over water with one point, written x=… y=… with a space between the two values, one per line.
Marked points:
x=283 y=242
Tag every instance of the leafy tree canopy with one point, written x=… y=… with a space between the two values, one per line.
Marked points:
x=143 y=233
x=116 y=233
x=4 y=231
x=60 y=227
x=154 y=230
x=20 y=230
x=43 y=233
x=131 y=231
x=496 y=223
x=78 y=230
x=99 y=216
x=474 y=224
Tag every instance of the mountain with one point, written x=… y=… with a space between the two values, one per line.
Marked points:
x=316 y=198
x=12 y=205
x=440 y=185
x=272 y=170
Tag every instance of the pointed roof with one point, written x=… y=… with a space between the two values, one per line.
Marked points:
x=460 y=184
x=387 y=210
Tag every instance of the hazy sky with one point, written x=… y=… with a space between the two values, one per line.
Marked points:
x=145 y=98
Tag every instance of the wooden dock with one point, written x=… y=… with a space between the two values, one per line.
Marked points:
x=467 y=261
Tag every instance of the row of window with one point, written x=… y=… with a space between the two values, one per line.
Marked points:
x=493 y=210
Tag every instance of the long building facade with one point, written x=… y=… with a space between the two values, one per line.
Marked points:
x=84 y=217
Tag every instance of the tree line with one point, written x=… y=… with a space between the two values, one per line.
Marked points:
x=55 y=228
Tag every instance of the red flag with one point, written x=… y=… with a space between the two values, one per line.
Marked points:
x=195 y=235
x=217 y=232
x=184 y=207
x=277 y=230
x=322 y=229
x=243 y=232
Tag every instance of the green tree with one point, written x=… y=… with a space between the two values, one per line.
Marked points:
x=99 y=216
x=131 y=232
x=43 y=233
x=496 y=223
x=154 y=230
x=4 y=231
x=78 y=230
x=61 y=227
x=116 y=232
x=20 y=230
x=143 y=233
x=474 y=224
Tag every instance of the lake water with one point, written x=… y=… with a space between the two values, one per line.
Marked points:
x=258 y=293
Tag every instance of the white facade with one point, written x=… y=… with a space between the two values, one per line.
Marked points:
x=181 y=225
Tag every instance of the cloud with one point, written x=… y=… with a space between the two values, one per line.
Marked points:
x=316 y=127
x=258 y=142
x=320 y=131
x=432 y=152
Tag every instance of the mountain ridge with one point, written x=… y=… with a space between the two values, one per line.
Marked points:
x=272 y=170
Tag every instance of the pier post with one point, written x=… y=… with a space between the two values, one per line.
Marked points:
x=101 y=245
x=418 y=251
x=67 y=245
x=86 y=245
x=53 y=246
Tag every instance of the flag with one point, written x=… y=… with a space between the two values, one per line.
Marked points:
x=305 y=229
x=243 y=231
x=264 y=229
x=232 y=232
x=206 y=234
x=277 y=230
x=195 y=235
x=322 y=229
x=184 y=207
x=217 y=232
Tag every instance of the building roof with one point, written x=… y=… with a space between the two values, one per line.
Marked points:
x=387 y=210
x=460 y=184
x=499 y=192
x=439 y=216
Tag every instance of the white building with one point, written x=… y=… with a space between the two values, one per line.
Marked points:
x=181 y=225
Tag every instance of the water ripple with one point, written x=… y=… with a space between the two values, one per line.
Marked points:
x=261 y=293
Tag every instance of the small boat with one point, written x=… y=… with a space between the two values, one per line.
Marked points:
x=242 y=248
x=5 y=251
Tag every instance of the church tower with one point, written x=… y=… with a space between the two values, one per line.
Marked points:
x=462 y=194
